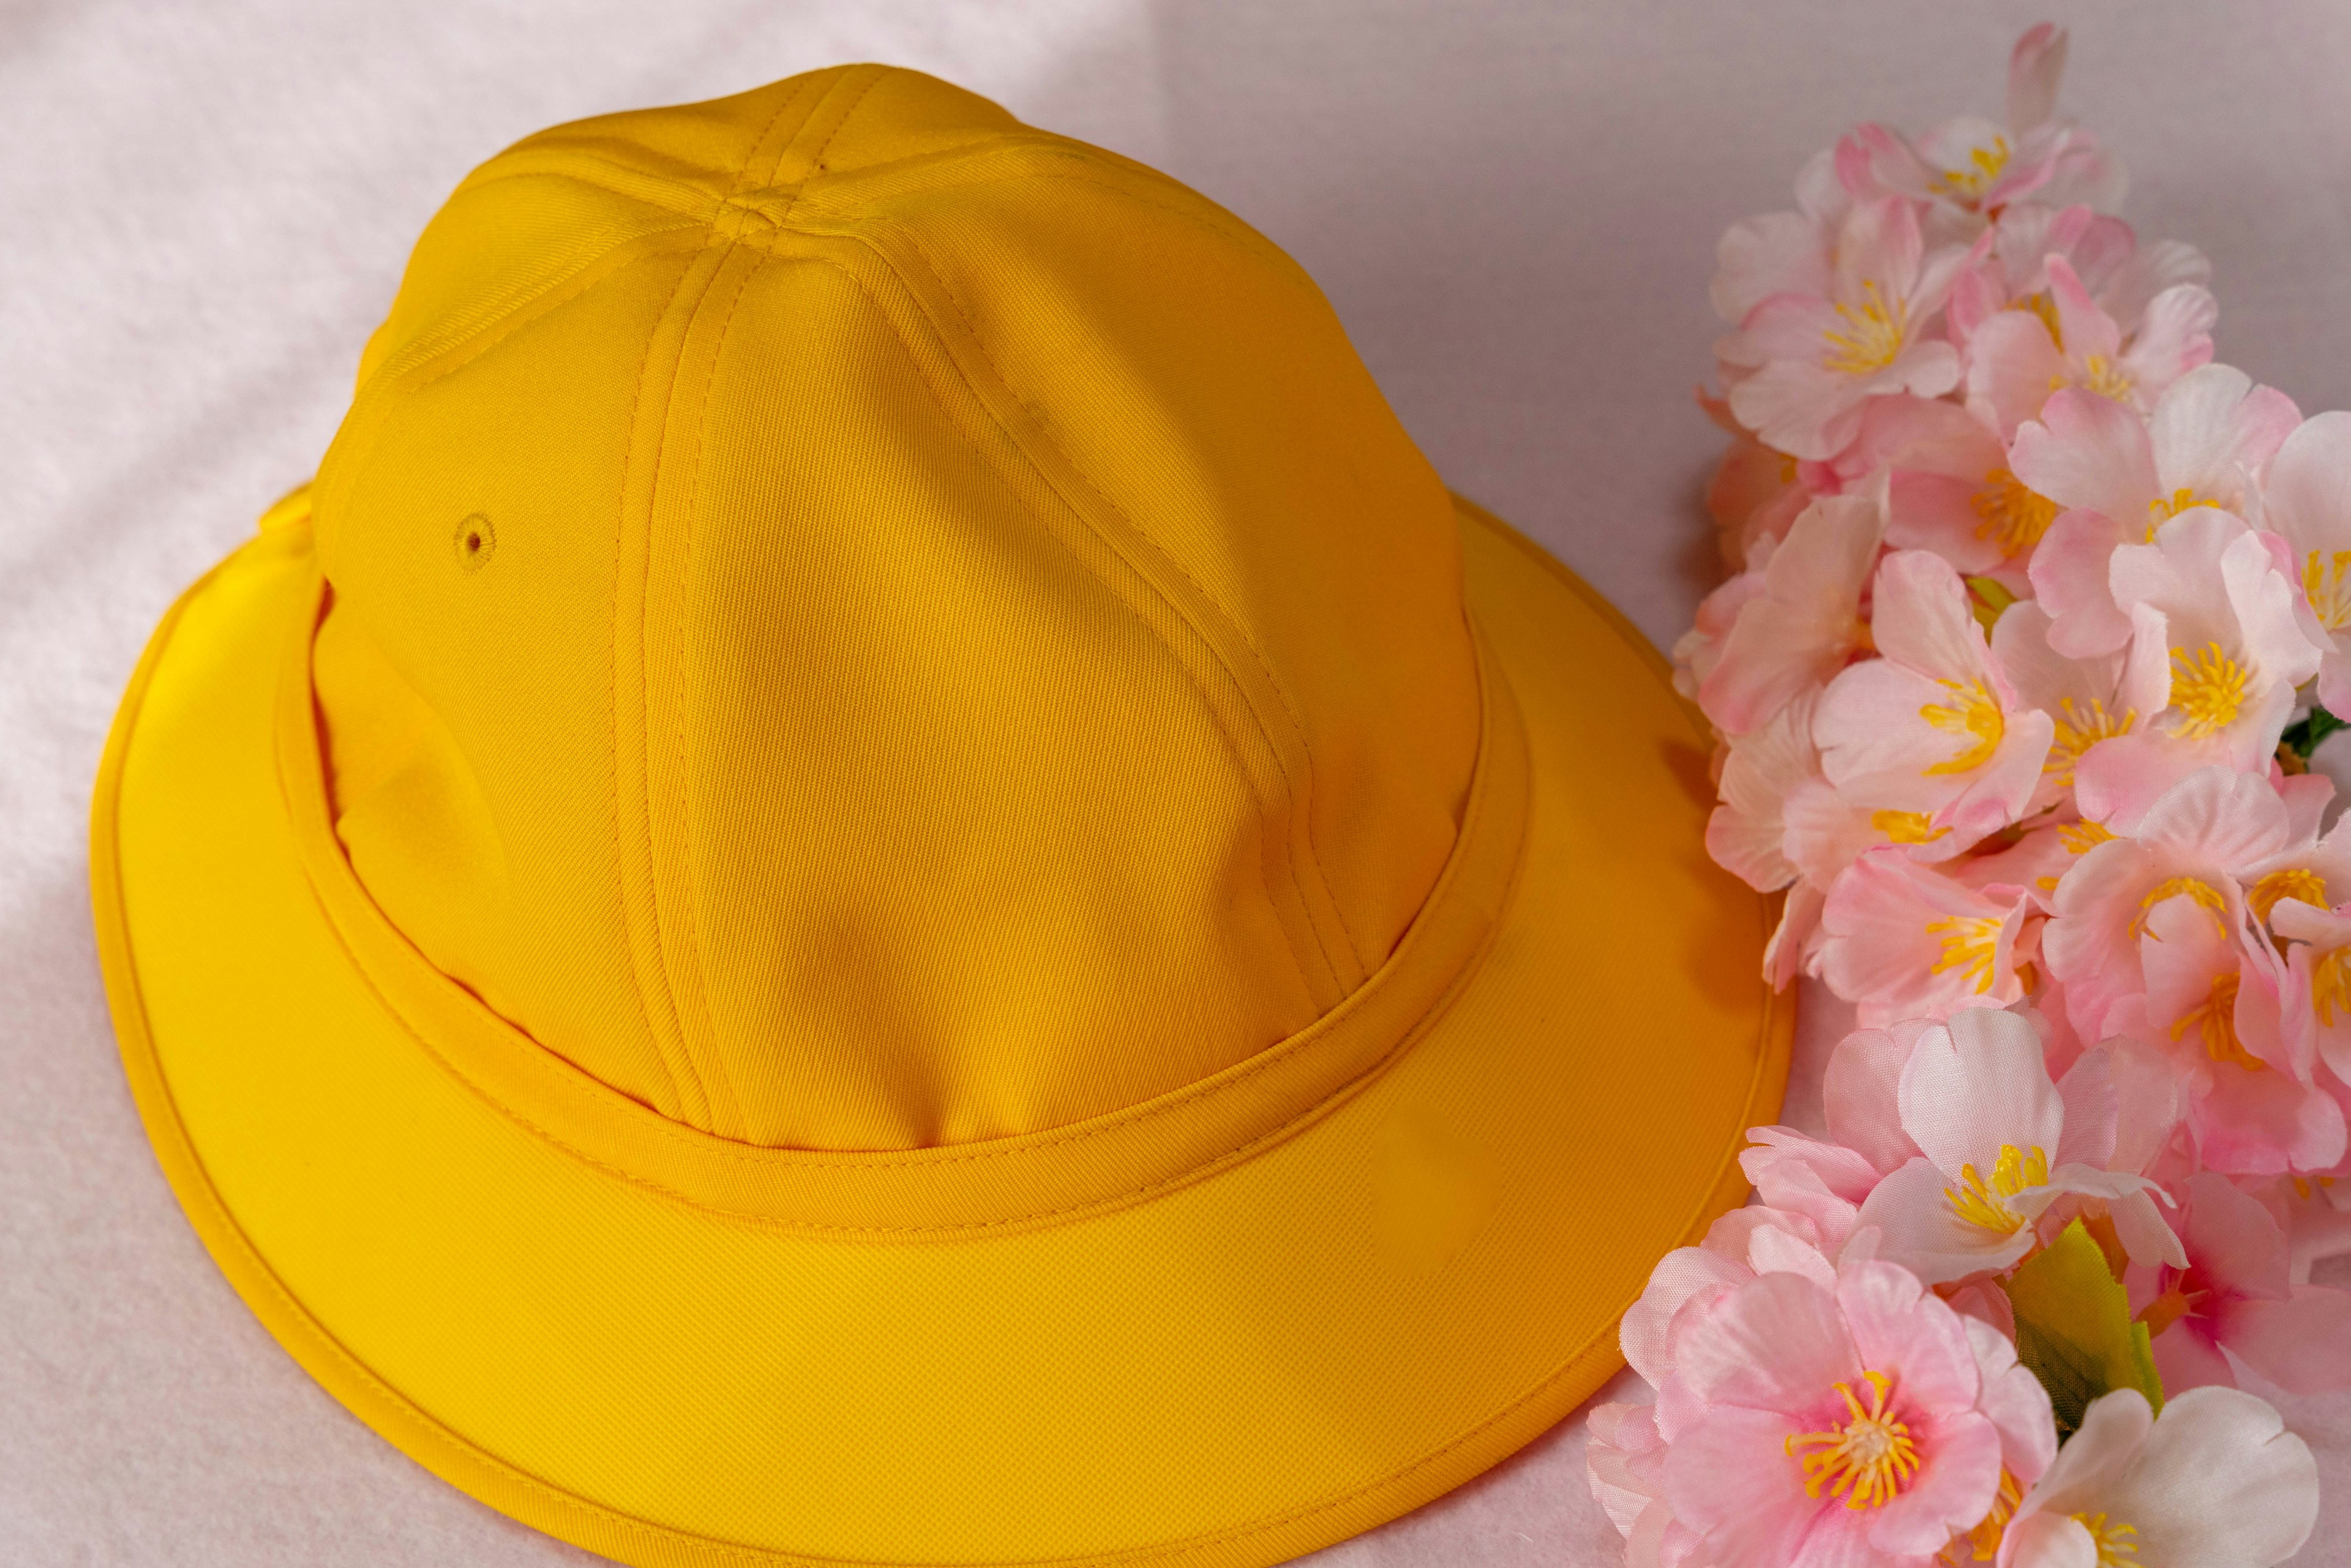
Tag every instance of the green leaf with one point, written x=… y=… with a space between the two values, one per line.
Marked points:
x=2302 y=735
x=2074 y=1328
x=1987 y=598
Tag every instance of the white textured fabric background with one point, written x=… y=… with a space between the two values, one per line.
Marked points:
x=205 y=208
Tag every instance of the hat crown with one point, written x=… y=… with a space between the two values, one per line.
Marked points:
x=862 y=625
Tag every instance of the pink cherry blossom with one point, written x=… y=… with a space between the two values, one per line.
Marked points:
x=1902 y=940
x=1755 y=493
x=2017 y=357
x=1969 y=168
x=2238 y=648
x=2088 y=700
x=1949 y=490
x=1835 y=1424
x=2189 y=845
x=1799 y=620
x=2218 y=997
x=1747 y=835
x=1623 y=1457
x=1823 y=1183
x=1803 y=366
x=2120 y=476
x=2123 y=276
x=2235 y=1292
x=1976 y=1098
x=2319 y=965
x=1782 y=253
x=1934 y=723
x=1739 y=1246
x=2307 y=499
x=2216 y=1482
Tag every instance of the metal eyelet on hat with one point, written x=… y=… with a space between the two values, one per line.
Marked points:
x=475 y=541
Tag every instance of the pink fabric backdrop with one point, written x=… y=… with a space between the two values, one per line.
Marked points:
x=1512 y=205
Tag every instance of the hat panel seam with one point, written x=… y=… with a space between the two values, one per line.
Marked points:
x=656 y=962
x=1302 y=789
x=1300 y=801
x=816 y=158
x=1233 y=747
x=708 y=1077
x=714 y=1072
x=619 y=837
x=498 y=334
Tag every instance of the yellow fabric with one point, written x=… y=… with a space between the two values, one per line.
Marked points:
x=878 y=877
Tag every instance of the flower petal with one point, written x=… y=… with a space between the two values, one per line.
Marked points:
x=1920 y=1229
x=2221 y=1482
x=1979 y=1086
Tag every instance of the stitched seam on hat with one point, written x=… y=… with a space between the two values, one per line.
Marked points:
x=1232 y=744
x=619 y=843
x=816 y=161
x=1303 y=791
x=461 y=355
x=715 y=1070
x=653 y=501
x=1041 y=1218
x=1299 y=793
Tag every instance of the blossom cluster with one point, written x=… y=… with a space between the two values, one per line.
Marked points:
x=2034 y=612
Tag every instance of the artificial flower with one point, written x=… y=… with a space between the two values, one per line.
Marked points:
x=2017 y=359
x=1933 y=724
x=1907 y=941
x=2216 y=1482
x=2087 y=700
x=2306 y=501
x=1799 y=619
x=2237 y=649
x=2235 y=1292
x=1803 y=365
x=1969 y=168
x=2189 y=845
x=1976 y=1098
x=2120 y=476
x=1823 y=1424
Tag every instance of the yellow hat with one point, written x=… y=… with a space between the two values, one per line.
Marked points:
x=878 y=877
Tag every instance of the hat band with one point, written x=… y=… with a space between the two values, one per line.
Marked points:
x=1035 y=1179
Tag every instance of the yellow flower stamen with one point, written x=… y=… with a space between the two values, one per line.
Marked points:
x=1984 y=165
x=2215 y=1022
x=1875 y=333
x=1981 y=1204
x=2208 y=687
x=1981 y=1544
x=1971 y=944
x=2290 y=882
x=2323 y=582
x=2081 y=838
x=1972 y=713
x=2115 y=1549
x=2077 y=731
x=1906 y=827
x=2109 y=380
x=2330 y=985
x=2044 y=307
x=2160 y=511
x=2206 y=895
x=2012 y=514
x=1868 y=1460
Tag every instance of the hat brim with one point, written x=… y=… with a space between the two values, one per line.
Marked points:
x=1235 y=1372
